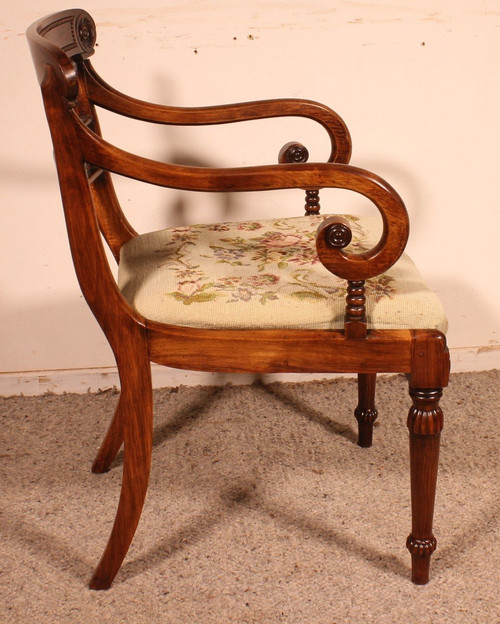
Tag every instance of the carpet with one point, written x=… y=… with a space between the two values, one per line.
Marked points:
x=261 y=509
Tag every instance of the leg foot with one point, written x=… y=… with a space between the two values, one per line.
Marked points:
x=365 y=412
x=421 y=551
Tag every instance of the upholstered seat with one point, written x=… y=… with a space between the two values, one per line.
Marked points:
x=264 y=274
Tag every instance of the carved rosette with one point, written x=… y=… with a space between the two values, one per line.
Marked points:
x=422 y=547
x=293 y=153
x=338 y=235
x=85 y=32
x=425 y=416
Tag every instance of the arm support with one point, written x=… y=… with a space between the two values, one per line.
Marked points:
x=383 y=255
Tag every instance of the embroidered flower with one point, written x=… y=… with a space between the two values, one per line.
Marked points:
x=242 y=294
x=249 y=225
x=218 y=227
x=189 y=287
x=228 y=254
x=281 y=240
x=254 y=264
x=262 y=280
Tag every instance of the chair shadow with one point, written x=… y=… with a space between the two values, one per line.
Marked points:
x=45 y=545
x=187 y=415
x=327 y=422
x=467 y=539
x=243 y=496
x=194 y=410
x=379 y=559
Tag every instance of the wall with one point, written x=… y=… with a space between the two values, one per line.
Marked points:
x=417 y=84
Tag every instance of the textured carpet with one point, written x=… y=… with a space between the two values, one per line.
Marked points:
x=261 y=508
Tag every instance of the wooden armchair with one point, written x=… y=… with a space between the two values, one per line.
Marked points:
x=303 y=294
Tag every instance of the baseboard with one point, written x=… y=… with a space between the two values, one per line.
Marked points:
x=80 y=381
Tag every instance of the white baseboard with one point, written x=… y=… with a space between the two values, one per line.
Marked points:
x=81 y=381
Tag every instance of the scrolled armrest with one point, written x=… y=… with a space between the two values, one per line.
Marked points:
x=334 y=235
x=98 y=152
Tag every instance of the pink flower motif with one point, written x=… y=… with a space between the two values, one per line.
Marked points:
x=281 y=240
x=265 y=279
x=188 y=288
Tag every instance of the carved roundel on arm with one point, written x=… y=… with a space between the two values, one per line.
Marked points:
x=85 y=32
x=337 y=232
x=293 y=152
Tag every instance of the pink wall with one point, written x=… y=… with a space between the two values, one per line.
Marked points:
x=417 y=84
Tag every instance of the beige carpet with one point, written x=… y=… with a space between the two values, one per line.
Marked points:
x=261 y=509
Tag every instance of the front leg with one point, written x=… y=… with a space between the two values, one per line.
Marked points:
x=425 y=422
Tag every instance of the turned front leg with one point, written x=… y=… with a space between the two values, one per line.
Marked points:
x=425 y=422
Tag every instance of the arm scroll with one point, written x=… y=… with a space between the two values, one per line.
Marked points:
x=334 y=235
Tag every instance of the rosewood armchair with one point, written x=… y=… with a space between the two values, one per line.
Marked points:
x=310 y=293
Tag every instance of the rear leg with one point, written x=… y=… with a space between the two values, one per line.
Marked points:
x=365 y=412
x=134 y=419
x=112 y=441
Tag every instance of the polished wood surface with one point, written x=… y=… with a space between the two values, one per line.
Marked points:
x=366 y=413
x=72 y=91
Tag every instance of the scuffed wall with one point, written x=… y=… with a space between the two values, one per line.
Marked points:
x=416 y=83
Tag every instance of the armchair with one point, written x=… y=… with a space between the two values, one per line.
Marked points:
x=310 y=293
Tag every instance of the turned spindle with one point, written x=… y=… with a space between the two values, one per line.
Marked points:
x=355 y=313
x=312 y=205
x=294 y=153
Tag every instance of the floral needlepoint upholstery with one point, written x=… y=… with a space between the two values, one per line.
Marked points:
x=264 y=274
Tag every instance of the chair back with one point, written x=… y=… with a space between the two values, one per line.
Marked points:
x=60 y=45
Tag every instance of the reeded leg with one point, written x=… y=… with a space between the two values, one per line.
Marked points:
x=112 y=441
x=136 y=414
x=425 y=422
x=365 y=412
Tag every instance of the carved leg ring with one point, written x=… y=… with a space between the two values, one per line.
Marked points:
x=425 y=422
x=366 y=413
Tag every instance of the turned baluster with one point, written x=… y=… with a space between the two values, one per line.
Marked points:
x=294 y=152
x=355 y=314
x=337 y=234
x=312 y=202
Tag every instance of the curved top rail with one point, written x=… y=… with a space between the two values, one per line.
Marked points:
x=55 y=40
